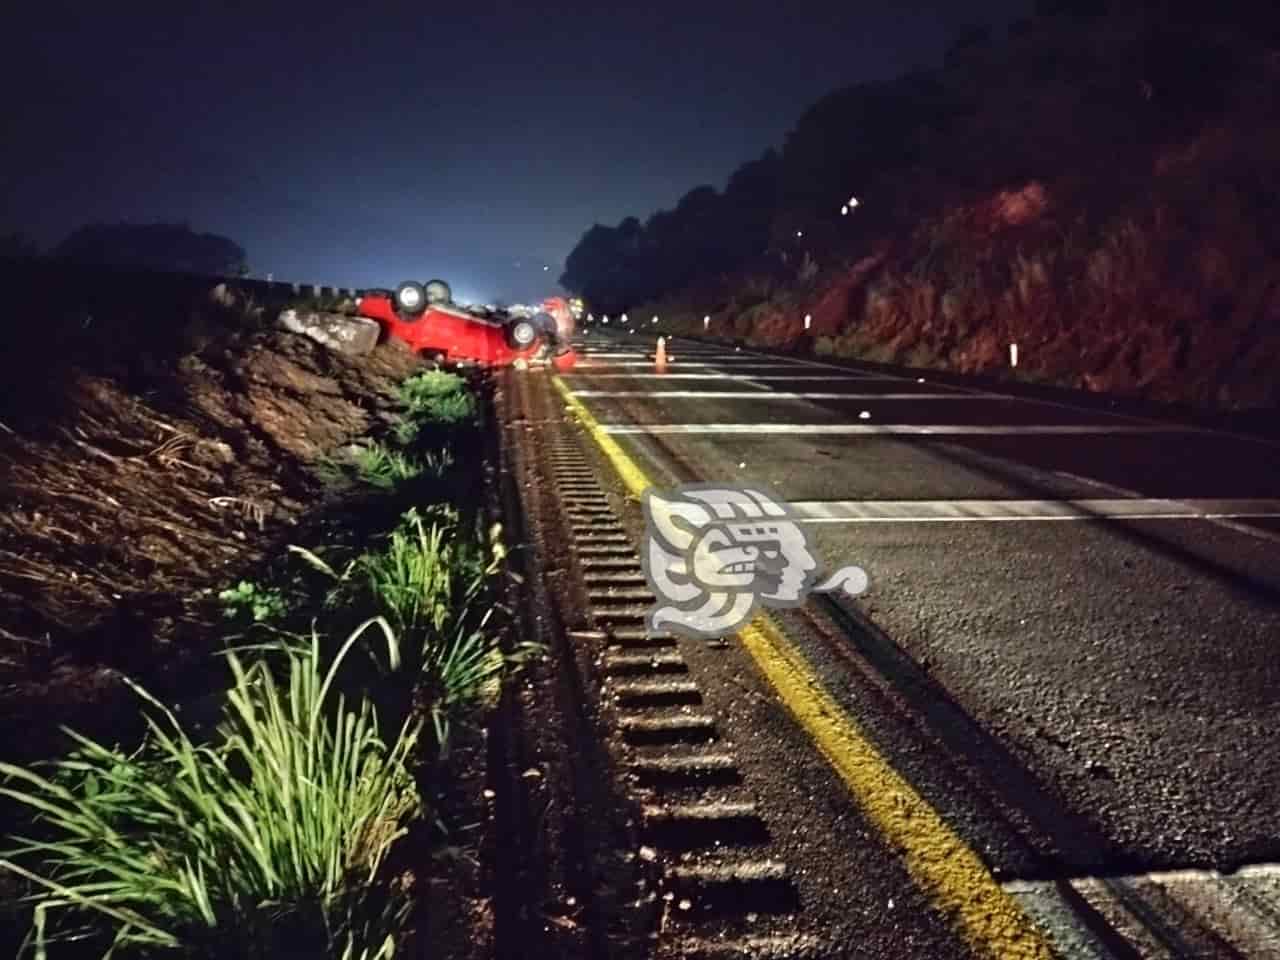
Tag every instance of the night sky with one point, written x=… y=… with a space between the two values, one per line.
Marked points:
x=387 y=141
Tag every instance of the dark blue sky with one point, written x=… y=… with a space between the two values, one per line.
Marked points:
x=377 y=142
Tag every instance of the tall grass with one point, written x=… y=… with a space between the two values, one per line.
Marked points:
x=428 y=582
x=271 y=840
x=380 y=466
x=384 y=467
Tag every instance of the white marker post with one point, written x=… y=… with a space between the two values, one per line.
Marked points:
x=706 y=323
x=1013 y=354
x=808 y=321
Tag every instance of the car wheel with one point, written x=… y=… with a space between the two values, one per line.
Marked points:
x=438 y=292
x=411 y=299
x=521 y=334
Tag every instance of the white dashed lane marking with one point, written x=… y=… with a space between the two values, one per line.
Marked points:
x=905 y=429
x=748 y=364
x=789 y=378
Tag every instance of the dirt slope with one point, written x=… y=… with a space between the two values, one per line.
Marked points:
x=150 y=453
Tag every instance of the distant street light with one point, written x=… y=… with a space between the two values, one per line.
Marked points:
x=853 y=202
x=655 y=319
x=799 y=233
x=844 y=211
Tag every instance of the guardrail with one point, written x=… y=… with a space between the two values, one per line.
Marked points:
x=50 y=274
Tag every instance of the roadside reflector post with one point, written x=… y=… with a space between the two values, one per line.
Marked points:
x=660 y=356
x=808 y=321
x=706 y=323
x=1013 y=354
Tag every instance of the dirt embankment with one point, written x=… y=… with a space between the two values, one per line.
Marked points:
x=1106 y=202
x=153 y=448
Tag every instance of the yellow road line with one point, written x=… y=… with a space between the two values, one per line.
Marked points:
x=631 y=475
x=950 y=873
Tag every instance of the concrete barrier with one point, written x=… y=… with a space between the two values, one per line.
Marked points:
x=351 y=335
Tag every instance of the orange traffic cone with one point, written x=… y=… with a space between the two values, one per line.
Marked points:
x=660 y=357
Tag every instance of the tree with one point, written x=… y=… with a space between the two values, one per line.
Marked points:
x=17 y=246
x=707 y=232
x=156 y=246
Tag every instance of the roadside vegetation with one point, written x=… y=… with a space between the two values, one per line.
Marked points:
x=294 y=814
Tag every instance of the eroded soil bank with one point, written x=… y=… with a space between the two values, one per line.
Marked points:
x=138 y=477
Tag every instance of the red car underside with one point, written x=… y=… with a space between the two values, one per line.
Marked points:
x=457 y=335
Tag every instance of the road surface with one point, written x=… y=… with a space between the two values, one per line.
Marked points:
x=1070 y=648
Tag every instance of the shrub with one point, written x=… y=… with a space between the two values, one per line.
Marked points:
x=437 y=397
x=249 y=599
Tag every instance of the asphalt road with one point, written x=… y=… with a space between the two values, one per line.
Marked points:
x=1092 y=597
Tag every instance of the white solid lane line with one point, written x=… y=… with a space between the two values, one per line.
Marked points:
x=908 y=429
x=789 y=378
x=783 y=395
x=746 y=364
x=961 y=511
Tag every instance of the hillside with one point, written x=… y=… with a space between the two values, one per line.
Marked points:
x=1094 y=187
x=153 y=448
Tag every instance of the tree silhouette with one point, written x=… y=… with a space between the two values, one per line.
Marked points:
x=17 y=246
x=157 y=246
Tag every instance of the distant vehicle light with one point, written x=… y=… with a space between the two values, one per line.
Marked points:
x=799 y=233
x=624 y=319
x=655 y=319
x=853 y=202
x=844 y=211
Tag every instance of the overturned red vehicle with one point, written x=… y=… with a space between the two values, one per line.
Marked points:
x=425 y=318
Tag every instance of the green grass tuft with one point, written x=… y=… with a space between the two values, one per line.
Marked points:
x=428 y=582
x=380 y=466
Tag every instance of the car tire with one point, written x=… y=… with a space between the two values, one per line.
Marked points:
x=521 y=334
x=438 y=291
x=410 y=299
